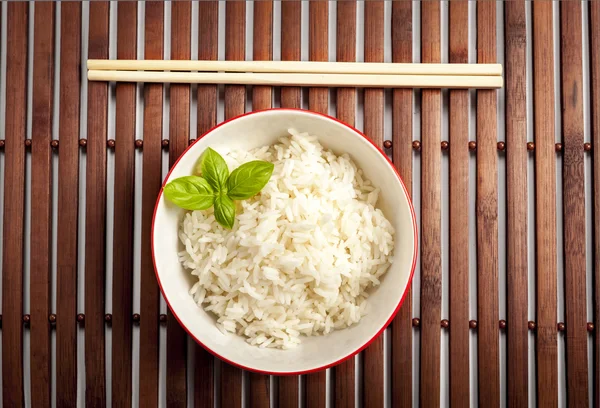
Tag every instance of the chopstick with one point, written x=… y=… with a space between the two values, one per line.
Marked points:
x=300 y=73
x=303 y=79
x=299 y=67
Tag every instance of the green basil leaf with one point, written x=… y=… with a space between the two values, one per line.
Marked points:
x=214 y=169
x=190 y=193
x=248 y=179
x=224 y=211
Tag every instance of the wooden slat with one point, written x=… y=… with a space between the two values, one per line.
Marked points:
x=431 y=268
x=516 y=189
x=235 y=50
x=594 y=24
x=373 y=49
x=259 y=385
x=373 y=128
x=179 y=135
x=207 y=50
x=487 y=216
x=458 y=112
x=318 y=101
x=259 y=390
x=346 y=112
x=263 y=50
x=291 y=97
x=41 y=201
x=152 y=177
x=235 y=104
x=207 y=118
x=95 y=246
x=318 y=34
x=68 y=197
x=574 y=203
x=545 y=219
x=402 y=111
x=122 y=307
x=288 y=391
x=291 y=48
x=14 y=204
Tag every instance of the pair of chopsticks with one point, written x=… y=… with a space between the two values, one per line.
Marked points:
x=300 y=73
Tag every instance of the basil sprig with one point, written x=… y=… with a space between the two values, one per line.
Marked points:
x=190 y=192
x=214 y=169
x=217 y=187
x=224 y=211
x=248 y=179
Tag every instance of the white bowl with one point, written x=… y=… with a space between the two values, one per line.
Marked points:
x=317 y=352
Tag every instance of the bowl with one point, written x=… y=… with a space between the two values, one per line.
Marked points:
x=316 y=352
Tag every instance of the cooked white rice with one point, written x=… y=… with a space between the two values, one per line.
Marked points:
x=302 y=253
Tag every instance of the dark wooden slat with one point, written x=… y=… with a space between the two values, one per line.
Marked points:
x=14 y=205
x=68 y=196
x=288 y=391
x=259 y=384
x=41 y=201
x=318 y=31
x=181 y=26
x=95 y=248
x=179 y=135
x=318 y=101
x=207 y=50
x=346 y=52
x=291 y=48
x=431 y=269
x=207 y=118
x=291 y=97
x=259 y=390
x=152 y=177
x=459 y=218
x=263 y=50
x=594 y=25
x=373 y=127
x=574 y=202
x=346 y=111
x=315 y=391
x=346 y=34
x=235 y=104
x=402 y=109
x=516 y=184
x=122 y=307
x=373 y=49
x=487 y=216
x=235 y=50
x=545 y=179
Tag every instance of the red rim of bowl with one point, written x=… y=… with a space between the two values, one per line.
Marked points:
x=364 y=346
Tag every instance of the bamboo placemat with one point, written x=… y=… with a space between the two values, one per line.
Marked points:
x=506 y=296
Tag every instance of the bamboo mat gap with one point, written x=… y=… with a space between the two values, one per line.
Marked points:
x=505 y=303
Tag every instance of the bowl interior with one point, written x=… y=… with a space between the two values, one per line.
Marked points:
x=260 y=129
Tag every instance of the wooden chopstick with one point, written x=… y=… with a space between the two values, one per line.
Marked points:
x=287 y=79
x=299 y=67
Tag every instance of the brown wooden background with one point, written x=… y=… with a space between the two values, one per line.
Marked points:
x=506 y=185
